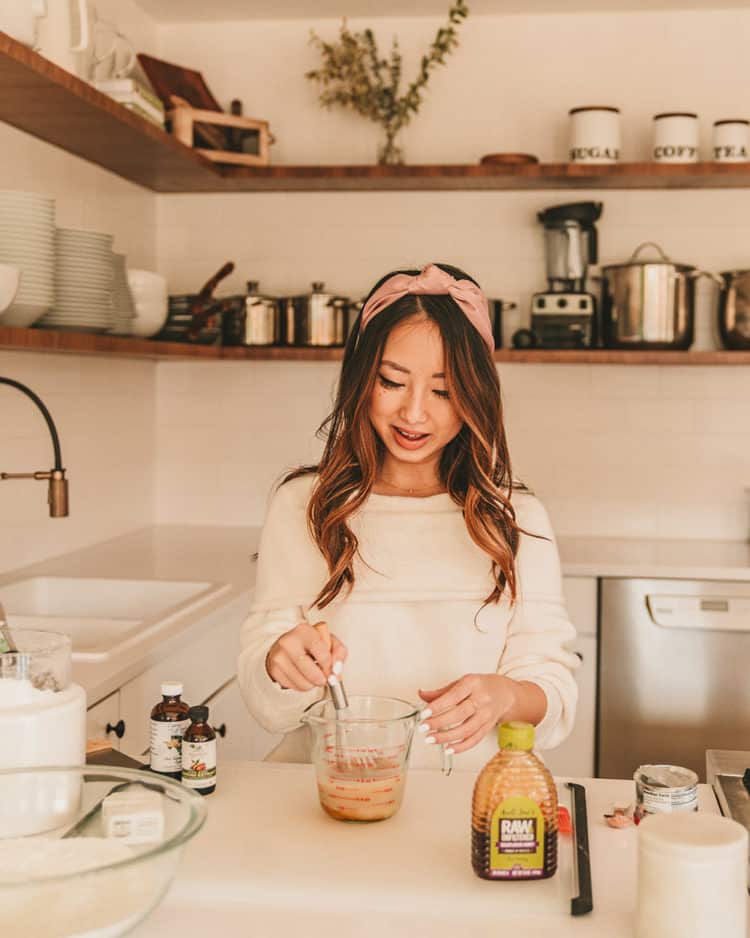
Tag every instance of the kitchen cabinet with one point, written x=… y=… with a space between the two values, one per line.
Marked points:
x=575 y=757
x=243 y=738
x=103 y=721
x=203 y=666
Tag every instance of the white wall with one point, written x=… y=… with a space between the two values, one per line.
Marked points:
x=613 y=450
x=103 y=408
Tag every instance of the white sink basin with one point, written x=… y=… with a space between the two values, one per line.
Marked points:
x=102 y=616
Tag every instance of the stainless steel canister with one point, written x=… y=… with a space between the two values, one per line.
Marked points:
x=649 y=303
x=317 y=318
x=664 y=789
x=734 y=309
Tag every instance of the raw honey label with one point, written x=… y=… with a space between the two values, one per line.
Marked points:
x=517 y=839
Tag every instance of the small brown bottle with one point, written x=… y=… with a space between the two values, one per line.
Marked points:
x=199 y=753
x=514 y=811
x=169 y=720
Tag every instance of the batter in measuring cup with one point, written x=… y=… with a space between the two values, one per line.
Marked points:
x=437 y=572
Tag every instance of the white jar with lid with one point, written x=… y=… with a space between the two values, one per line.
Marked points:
x=692 y=876
x=731 y=141
x=42 y=723
x=675 y=137
x=594 y=134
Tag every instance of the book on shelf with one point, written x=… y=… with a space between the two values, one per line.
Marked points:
x=141 y=112
x=128 y=87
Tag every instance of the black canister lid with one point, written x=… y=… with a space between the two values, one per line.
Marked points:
x=675 y=114
x=731 y=120
x=198 y=714
x=594 y=107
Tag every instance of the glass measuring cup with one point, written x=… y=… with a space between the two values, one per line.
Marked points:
x=361 y=758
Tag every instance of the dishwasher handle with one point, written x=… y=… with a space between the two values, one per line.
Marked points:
x=701 y=613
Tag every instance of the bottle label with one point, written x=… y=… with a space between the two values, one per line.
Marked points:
x=199 y=764
x=166 y=744
x=517 y=839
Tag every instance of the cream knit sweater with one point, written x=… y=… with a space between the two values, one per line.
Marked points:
x=412 y=619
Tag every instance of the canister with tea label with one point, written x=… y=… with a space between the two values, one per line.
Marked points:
x=664 y=789
x=731 y=141
x=675 y=137
x=594 y=135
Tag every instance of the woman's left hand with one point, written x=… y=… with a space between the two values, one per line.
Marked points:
x=461 y=714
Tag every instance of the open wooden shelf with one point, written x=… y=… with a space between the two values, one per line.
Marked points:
x=84 y=343
x=38 y=97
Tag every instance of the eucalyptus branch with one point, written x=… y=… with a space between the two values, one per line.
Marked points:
x=354 y=76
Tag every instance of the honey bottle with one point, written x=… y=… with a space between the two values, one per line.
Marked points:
x=514 y=811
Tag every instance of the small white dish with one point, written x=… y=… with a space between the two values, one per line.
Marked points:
x=10 y=278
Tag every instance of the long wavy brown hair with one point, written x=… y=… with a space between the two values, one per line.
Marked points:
x=474 y=467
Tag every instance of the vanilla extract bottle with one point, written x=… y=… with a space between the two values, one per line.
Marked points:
x=514 y=811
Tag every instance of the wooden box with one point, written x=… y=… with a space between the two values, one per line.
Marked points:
x=183 y=118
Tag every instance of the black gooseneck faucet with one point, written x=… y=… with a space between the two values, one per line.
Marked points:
x=58 y=485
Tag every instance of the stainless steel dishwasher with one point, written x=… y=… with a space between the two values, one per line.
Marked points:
x=674 y=672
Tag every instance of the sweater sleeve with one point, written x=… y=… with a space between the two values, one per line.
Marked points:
x=287 y=580
x=540 y=630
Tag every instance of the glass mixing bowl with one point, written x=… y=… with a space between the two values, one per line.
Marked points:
x=102 y=874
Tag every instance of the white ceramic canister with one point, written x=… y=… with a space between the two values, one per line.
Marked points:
x=731 y=141
x=692 y=876
x=594 y=134
x=42 y=723
x=675 y=137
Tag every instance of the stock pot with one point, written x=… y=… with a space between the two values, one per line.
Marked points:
x=734 y=309
x=649 y=303
x=317 y=318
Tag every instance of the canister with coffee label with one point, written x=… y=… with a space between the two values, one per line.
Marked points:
x=675 y=137
x=664 y=789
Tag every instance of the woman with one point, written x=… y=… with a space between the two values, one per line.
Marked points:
x=436 y=575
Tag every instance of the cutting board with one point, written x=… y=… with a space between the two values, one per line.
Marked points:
x=293 y=865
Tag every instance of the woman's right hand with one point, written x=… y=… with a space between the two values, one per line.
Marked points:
x=301 y=659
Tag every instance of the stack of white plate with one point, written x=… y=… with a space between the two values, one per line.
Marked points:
x=27 y=240
x=122 y=298
x=84 y=271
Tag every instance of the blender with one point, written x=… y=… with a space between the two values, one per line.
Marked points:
x=564 y=316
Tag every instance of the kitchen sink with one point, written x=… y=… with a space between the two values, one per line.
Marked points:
x=102 y=616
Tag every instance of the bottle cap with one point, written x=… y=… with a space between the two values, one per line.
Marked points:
x=516 y=736
x=171 y=688
x=198 y=714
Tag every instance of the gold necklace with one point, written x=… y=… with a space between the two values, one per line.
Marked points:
x=413 y=491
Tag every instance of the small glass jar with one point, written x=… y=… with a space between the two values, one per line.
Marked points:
x=731 y=141
x=676 y=137
x=594 y=134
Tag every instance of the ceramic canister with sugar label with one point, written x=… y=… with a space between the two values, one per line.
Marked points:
x=594 y=135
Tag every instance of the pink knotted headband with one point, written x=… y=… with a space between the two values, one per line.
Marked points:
x=433 y=281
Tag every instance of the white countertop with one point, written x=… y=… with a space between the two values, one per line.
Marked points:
x=650 y=557
x=269 y=862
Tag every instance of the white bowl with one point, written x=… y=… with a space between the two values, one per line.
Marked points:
x=24 y=314
x=147 y=281
x=10 y=277
x=150 y=316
